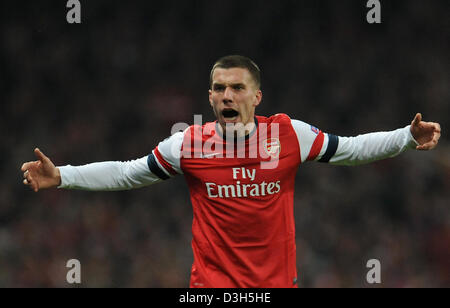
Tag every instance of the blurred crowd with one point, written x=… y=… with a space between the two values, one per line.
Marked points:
x=111 y=88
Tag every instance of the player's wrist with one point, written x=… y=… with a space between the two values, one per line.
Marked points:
x=412 y=140
x=57 y=177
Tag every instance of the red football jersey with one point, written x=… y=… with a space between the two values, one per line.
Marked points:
x=242 y=197
x=242 y=190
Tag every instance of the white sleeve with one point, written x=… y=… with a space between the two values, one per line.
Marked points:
x=318 y=146
x=313 y=142
x=108 y=176
x=373 y=146
x=162 y=164
x=165 y=158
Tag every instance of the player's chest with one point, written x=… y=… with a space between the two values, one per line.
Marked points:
x=271 y=160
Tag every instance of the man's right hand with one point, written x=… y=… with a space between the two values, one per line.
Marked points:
x=41 y=173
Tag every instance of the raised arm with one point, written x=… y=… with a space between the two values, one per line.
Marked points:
x=318 y=146
x=101 y=176
x=380 y=145
x=163 y=163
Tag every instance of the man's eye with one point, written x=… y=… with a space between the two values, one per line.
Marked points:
x=238 y=87
x=218 y=88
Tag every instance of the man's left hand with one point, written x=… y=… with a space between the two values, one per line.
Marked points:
x=425 y=133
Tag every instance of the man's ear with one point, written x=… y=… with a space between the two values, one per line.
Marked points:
x=210 y=98
x=258 y=98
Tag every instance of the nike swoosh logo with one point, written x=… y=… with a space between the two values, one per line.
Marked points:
x=210 y=155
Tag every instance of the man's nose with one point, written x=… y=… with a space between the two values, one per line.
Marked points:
x=228 y=95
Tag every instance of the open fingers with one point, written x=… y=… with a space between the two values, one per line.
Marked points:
x=430 y=144
x=27 y=176
x=40 y=155
x=27 y=165
x=30 y=182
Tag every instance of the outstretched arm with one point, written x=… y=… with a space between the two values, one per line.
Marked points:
x=108 y=175
x=105 y=176
x=162 y=164
x=380 y=145
x=318 y=146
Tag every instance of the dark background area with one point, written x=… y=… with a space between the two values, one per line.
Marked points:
x=111 y=88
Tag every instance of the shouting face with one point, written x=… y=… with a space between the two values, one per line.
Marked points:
x=234 y=96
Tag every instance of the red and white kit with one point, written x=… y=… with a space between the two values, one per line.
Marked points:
x=242 y=190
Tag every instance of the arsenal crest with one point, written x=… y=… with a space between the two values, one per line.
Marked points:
x=272 y=147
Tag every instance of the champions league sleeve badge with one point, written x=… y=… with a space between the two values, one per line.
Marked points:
x=315 y=129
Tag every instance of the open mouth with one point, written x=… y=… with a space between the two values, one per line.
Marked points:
x=230 y=113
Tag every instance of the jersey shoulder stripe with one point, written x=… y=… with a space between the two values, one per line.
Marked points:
x=310 y=139
x=164 y=161
x=164 y=164
x=316 y=146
